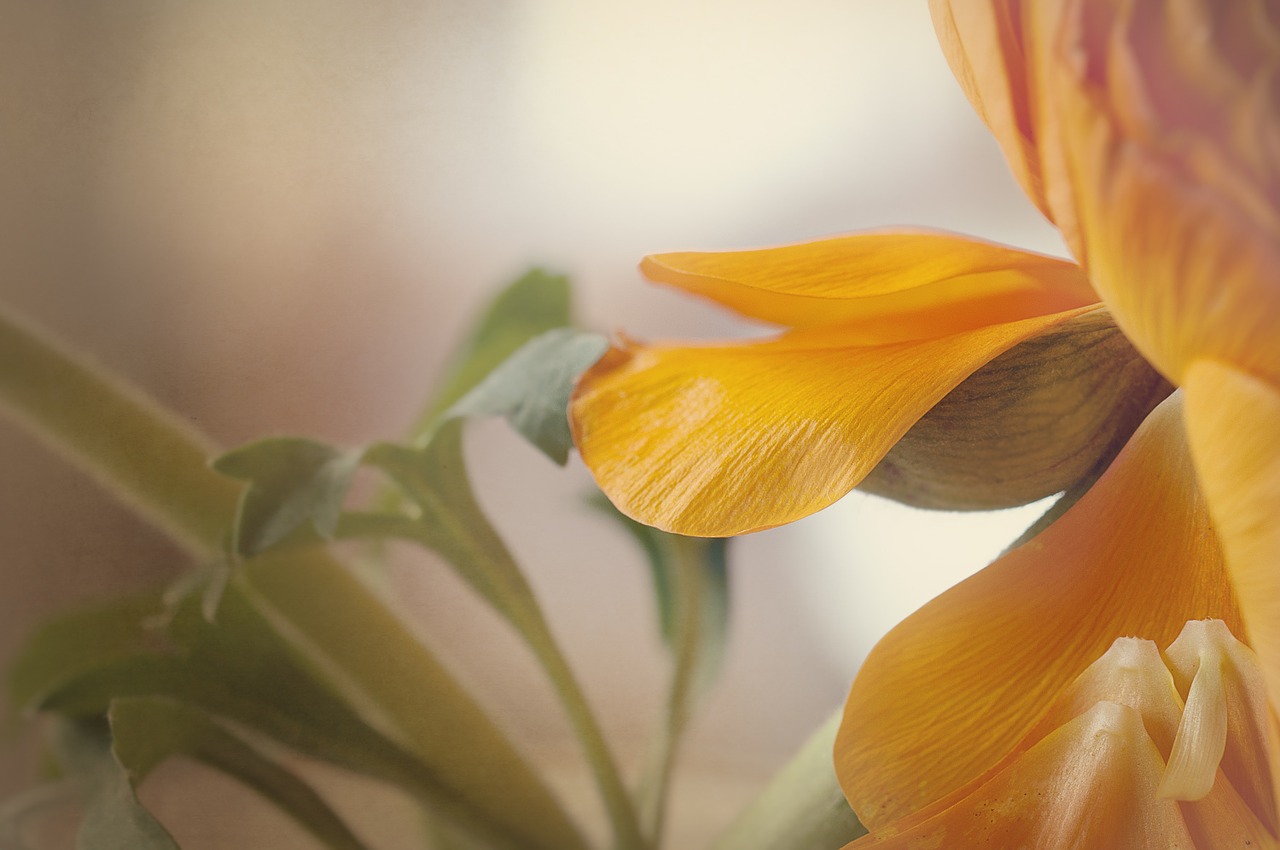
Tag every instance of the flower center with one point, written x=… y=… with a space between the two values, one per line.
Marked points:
x=1145 y=751
x=1203 y=705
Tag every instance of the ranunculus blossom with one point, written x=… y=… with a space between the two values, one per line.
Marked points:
x=949 y=372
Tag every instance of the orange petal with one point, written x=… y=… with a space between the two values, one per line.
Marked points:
x=952 y=689
x=994 y=48
x=1089 y=785
x=881 y=287
x=720 y=440
x=1234 y=424
x=983 y=43
x=1171 y=116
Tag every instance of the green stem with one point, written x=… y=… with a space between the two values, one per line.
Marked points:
x=618 y=805
x=144 y=455
x=802 y=808
x=686 y=638
x=527 y=618
x=153 y=461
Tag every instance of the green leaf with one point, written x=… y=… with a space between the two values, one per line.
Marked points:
x=148 y=730
x=802 y=808
x=336 y=627
x=445 y=751
x=477 y=779
x=532 y=305
x=113 y=819
x=531 y=389
x=64 y=648
x=291 y=481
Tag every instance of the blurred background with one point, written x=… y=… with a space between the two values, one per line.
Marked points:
x=279 y=216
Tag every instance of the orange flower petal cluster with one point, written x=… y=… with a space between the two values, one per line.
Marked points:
x=1148 y=131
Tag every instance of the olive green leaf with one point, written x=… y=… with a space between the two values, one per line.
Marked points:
x=452 y=522
x=292 y=481
x=241 y=669
x=667 y=556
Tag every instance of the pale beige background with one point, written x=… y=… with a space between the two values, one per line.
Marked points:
x=278 y=216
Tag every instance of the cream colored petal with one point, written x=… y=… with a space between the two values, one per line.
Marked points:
x=1226 y=718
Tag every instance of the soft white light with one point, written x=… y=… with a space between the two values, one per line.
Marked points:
x=871 y=562
x=696 y=106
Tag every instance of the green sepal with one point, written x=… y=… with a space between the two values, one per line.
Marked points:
x=292 y=481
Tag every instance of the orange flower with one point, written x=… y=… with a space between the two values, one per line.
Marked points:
x=955 y=373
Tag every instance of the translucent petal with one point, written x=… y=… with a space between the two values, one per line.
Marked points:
x=983 y=43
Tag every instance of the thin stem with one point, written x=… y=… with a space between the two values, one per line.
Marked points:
x=686 y=639
x=618 y=805
x=527 y=618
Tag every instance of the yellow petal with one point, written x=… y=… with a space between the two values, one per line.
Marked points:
x=1033 y=422
x=1171 y=120
x=980 y=664
x=1090 y=785
x=881 y=287
x=720 y=440
x=1234 y=424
